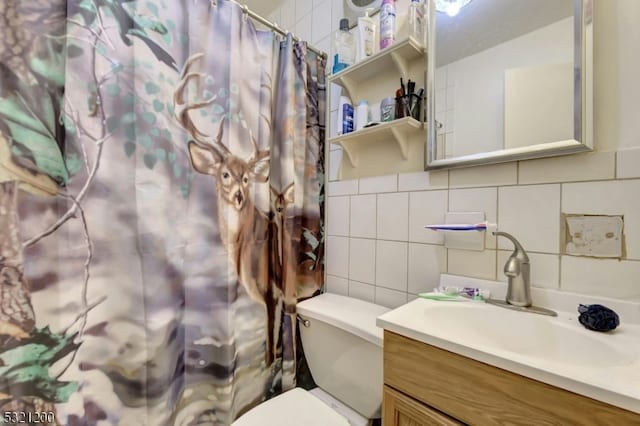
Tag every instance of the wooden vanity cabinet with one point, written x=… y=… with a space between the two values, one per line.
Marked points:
x=426 y=385
x=400 y=410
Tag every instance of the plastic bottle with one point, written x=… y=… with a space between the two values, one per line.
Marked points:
x=345 y=116
x=366 y=36
x=345 y=47
x=387 y=109
x=387 y=23
x=416 y=21
x=362 y=114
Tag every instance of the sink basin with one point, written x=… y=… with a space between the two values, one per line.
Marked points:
x=559 y=340
x=555 y=350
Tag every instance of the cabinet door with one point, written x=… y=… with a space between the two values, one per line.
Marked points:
x=401 y=410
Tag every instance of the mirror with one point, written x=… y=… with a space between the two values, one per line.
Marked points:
x=508 y=80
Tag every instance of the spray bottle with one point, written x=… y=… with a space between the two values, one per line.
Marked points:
x=387 y=23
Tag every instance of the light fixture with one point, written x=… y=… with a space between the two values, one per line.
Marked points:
x=451 y=7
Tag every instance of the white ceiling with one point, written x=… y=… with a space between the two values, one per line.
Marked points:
x=487 y=23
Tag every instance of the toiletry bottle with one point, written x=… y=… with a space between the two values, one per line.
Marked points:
x=366 y=36
x=387 y=109
x=345 y=116
x=387 y=23
x=416 y=21
x=345 y=47
x=362 y=114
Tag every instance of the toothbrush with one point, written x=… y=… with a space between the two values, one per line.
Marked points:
x=483 y=226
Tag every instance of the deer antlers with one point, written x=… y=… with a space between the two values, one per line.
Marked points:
x=182 y=106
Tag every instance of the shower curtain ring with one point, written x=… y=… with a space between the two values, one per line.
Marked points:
x=214 y=3
x=245 y=12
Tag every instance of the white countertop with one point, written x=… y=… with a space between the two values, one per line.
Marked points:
x=554 y=350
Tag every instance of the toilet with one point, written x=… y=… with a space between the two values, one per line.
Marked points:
x=343 y=348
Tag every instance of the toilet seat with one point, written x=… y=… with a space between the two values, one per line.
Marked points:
x=293 y=408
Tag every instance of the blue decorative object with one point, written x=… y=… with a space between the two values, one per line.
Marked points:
x=598 y=317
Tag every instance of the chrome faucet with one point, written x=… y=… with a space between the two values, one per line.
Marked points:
x=518 y=271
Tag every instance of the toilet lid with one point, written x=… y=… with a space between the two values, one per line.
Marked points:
x=293 y=408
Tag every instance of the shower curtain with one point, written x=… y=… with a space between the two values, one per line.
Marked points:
x=161 y=210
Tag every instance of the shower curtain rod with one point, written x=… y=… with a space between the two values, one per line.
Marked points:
x=272 y=25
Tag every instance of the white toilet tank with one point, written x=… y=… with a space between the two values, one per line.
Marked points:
x=343 y=348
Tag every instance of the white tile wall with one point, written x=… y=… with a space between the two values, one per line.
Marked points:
x=591 y=166
x=426 y=263
x=343 y=187
x=288 y=15
x=337 y=257
x=379 y=184
x=363 y=216
x=303 y=7
x=337 y=285
x=338 y=216
x=531 y=214
x=494 y=175
x=392 y=223
x=509 y=192
x=391 y=265
x=426 y=207
x=604 y=277
x=390 y=298
x=362 y=260
x=423 y=180
x=303 y=28
x=477 y=264
x=321 y=21
x=362 y=291
x=628 y=163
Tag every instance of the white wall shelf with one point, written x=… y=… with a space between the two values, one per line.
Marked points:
x=400 y=131
x=396 y=57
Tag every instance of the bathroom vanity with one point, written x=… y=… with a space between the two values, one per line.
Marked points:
x=452 y=363
x=426 y=385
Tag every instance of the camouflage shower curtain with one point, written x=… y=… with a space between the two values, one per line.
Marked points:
x=161 y=205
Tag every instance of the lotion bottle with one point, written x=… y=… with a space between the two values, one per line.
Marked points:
x=366 y=36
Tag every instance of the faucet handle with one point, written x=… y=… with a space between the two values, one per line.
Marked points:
x=518 y=251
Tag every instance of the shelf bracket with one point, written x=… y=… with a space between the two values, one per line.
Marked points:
x=353 y=159
x=401 y=63
x=349 y=86
x=402 y=142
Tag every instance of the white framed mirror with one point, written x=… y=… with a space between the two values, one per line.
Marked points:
x=508 y=80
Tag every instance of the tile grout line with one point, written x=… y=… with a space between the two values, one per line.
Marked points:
x=560 y=242
x=375 y=255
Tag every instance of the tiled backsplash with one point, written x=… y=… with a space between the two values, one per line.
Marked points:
x=377 y=249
